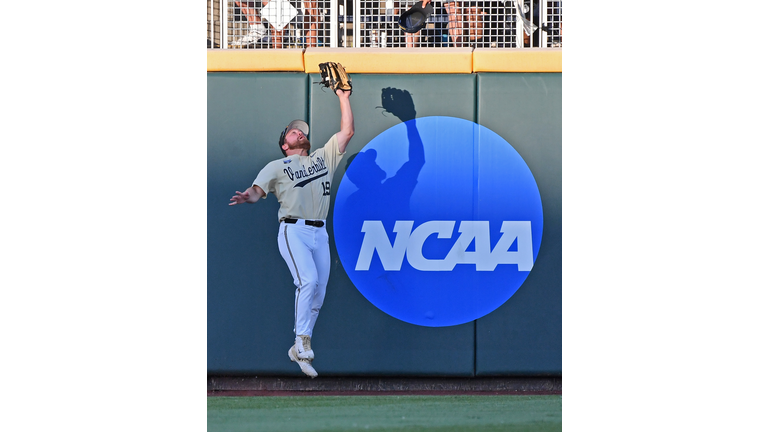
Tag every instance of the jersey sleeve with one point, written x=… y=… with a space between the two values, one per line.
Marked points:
x=266 y=180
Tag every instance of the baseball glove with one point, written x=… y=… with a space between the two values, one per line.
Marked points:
x=335 y=77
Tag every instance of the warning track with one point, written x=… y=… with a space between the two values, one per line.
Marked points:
x=391 y=386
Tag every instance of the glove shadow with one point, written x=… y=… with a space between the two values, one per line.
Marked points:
x=398 y=103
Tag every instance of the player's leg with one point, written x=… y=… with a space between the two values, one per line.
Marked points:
x=294 y=242
x=322 y=258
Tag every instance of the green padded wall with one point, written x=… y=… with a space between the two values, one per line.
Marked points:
x=250 y=294
x=524 y=336
x=354 y=335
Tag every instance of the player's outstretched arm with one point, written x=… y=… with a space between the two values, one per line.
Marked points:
x=347 y=120
x=251 y=195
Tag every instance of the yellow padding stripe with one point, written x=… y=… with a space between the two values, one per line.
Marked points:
x=249 y=60
x=392 y=60
x=389 y=60
x=517 y=60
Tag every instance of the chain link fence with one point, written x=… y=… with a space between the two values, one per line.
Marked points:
x=278 y=24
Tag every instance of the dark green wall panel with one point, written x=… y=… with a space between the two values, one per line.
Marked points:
x=250 y=294
x=524 y=336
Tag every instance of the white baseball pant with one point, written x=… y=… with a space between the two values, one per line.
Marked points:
x=306 y=251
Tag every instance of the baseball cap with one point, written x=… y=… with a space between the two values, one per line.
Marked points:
x=415 y=18
x=300 y=125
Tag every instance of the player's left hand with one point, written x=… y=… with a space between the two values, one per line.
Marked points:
x=239 y=198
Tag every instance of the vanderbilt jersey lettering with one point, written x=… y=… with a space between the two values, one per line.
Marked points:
x=302 y=184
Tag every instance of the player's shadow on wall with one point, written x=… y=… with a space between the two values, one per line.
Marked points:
x=394 y=193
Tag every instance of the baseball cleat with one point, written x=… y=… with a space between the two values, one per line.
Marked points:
x=304 y=364
x=304 y=348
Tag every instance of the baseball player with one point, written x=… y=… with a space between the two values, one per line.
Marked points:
x=301 y=181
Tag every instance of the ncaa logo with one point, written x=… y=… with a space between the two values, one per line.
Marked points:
x=437 y=221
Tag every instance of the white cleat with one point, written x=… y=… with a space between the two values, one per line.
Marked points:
x=304 y=364
x=304 y=348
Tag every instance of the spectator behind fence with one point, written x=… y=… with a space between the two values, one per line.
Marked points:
x=465 y=14
x=455 y=26
x=412 y=38
x=257 y=32
x=310 y=16
x=534 y=19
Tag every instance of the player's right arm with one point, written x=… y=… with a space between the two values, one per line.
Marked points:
x=251 y=195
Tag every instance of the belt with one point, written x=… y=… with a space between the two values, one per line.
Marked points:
x=314 y=223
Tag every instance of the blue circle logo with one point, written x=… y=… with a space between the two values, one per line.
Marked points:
x=438 y=221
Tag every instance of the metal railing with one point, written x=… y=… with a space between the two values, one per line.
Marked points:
x=279 y=24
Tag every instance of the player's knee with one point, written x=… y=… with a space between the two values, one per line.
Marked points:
x=310 y=281
x=316 y=307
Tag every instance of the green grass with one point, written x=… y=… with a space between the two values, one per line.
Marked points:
x=385 y=413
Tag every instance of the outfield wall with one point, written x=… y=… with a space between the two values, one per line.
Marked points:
x=250 y=294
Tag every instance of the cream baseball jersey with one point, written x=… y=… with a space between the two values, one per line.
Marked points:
x=302 y=184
